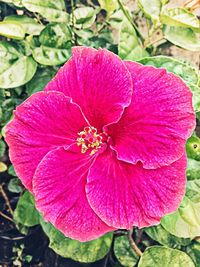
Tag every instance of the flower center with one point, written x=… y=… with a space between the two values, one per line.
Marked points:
x=90 y=140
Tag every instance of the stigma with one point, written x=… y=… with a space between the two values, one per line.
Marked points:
x=89 y=140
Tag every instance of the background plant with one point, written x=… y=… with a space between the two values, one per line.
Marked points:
x=36 y=39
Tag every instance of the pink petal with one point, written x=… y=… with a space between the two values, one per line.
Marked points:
x=154 y=128
x=123 y=194
x=98 y=81
x=59 y=187
x=45 y=121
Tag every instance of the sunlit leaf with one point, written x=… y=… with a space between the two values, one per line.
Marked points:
x=193 y=169
x=56 y=35
x=16 y=3
x=158 y=256
x=151 y=9
x=180 y=17
x=55 y=46
x=49 y=9
x=183 y=37
x=185 y=222
x=196 y=96
x=193 y=192
x=84 y=17
x=129 y=46
x=51 y=56
x=115 y=20
x=30 y=25
x=15 y=68
x=108 y=5
x=12 y=30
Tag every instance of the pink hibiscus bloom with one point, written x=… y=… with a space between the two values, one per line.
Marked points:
x=103 y=146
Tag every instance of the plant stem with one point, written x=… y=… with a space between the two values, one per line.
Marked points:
x=6 y=217
x=155 y=41
x=72 y=7
x=139 y=236
x=73 y=24
x=6 y=199
x=38 y=18
x=148 y=28
x=133 y=244
x=127 y=15
x=120 y=232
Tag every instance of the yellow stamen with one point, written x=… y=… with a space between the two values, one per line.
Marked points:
x=89 y=139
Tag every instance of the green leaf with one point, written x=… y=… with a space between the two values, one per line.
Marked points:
x=180 y=17
x=55 y=42
x=84 y=252
x=196 y=96
x=193 y=169
x=162 y=236
x=2 y=148
x=16 y=68
x=129 y=46
x=14 y=186
x=29 y=25
x=85 y=34
x=198 y=115
x=182 y=69
x=151 y=9
x=11 y=171
x=7 y=107
x=84 y=17
x=115 y=20
x=158 y=256
x=185 y=222
x=25 y=212
x=12 y=30
x=16 y=3
x=56 y=35
x=193 y=190
x=40 y=79
x=103 y=40
x=183 y=37
x=51 y=56
x=185 y=71
x=49 y=9
x=193 y=147
x=108 y=5
x=194 y=252
x=7 y=1
x=124 y=253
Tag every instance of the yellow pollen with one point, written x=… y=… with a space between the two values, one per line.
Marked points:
x=90 y=140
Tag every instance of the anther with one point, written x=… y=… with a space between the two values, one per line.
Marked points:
x=90 y=140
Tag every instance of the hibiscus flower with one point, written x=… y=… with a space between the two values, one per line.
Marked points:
x=103 y=146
